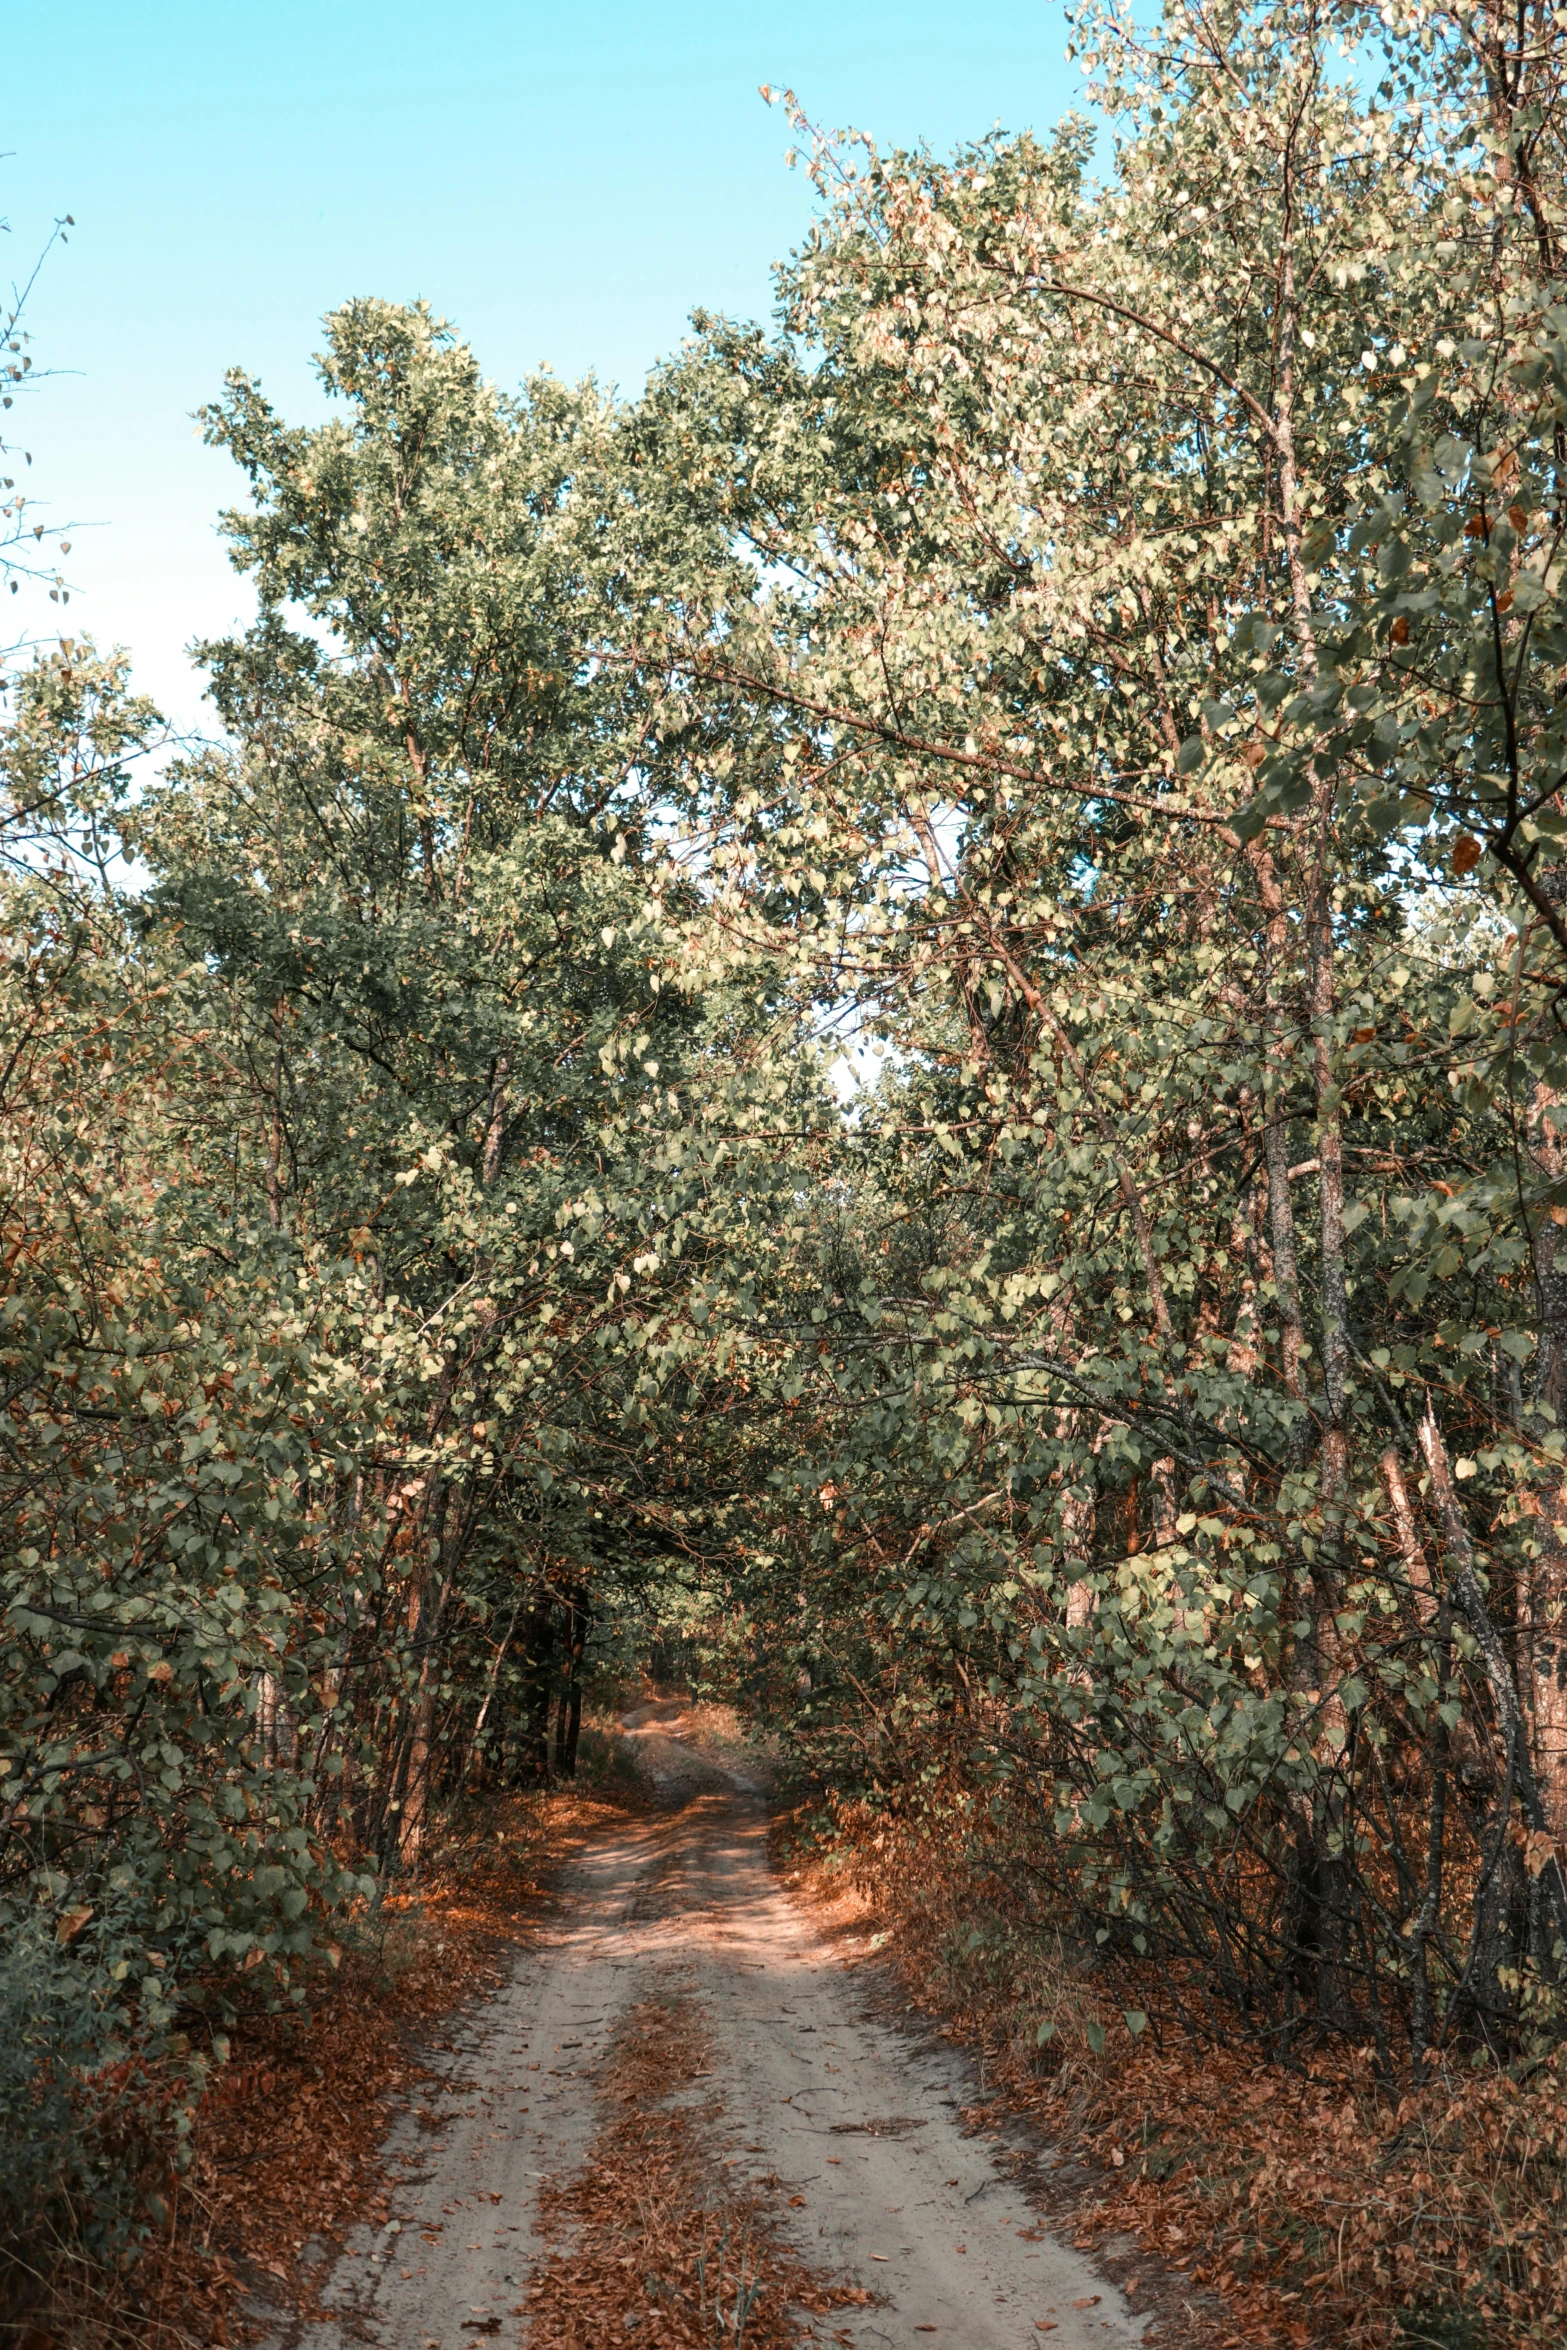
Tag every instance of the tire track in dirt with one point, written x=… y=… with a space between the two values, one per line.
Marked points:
x=854 y=2128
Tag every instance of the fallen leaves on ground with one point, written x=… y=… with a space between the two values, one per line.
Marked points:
x=652 y=2242
x=1297 y=2205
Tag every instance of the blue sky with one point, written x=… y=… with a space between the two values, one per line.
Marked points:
x=565 y=183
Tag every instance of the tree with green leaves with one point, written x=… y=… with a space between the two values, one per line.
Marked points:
x=1154 y=749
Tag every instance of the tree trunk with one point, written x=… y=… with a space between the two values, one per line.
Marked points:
x=1077 y=1534
x=475 y=1742
x=538 y=1689
x=495 y=1123
x=1497 y=1902
x=274 y=1165
x=267 y=1699
x=427 y=1629
x=1409 y=1545
x=1546 y=1627
x=1275 y=1134
x=568 y=1722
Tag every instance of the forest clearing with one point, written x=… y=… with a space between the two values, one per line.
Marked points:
x=782 y=1263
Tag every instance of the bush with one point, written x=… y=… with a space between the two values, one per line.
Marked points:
x=91 y=2108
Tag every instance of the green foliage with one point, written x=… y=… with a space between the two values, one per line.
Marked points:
x=86 y=2106
x=1109 y=715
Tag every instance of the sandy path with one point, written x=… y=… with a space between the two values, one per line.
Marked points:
x=858 y=2121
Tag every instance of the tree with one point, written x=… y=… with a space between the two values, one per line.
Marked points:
x=1136 y=636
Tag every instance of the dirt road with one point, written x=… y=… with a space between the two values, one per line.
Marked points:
x=857 y=2123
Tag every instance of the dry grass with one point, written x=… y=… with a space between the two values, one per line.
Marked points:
x=1306 y=2206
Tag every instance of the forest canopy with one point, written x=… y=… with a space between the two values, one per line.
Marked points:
x=898 y=1006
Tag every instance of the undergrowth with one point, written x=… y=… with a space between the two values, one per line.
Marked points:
x=1318 y=2205
x=285 y=2136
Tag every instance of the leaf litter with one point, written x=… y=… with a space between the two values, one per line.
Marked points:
x=653 y=2242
